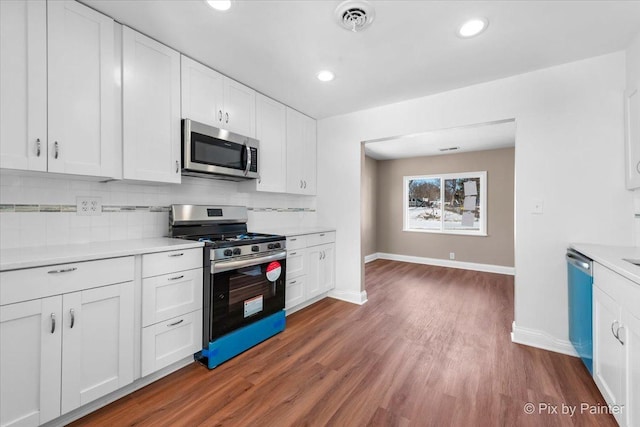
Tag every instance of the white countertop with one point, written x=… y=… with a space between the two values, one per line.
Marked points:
x=612 y=257
x=13 y=259
x=297 y=231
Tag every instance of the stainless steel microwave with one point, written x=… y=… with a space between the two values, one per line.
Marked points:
x=217 y=153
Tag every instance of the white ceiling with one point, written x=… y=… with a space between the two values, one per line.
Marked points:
x=485 y=136
x=411 y=50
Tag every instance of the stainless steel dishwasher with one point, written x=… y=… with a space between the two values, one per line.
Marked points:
x=580 y=285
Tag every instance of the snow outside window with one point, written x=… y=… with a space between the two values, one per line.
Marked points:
x=452 y=203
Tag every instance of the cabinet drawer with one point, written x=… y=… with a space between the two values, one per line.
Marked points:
x=170 y=341
x=172 y=261
x=296 y=242
x=321 y=238
x=296 y=263
x=32 y=283
x=294 y=293
x=170 y=295
x=618 y=287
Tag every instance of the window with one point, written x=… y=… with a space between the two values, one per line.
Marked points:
x=446 y=203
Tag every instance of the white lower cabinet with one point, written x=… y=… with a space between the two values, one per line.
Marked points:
x=171 y=307
x=616 y=343
x=310 y=268
x=61 y=352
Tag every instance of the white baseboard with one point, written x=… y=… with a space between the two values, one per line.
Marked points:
x=371 y=257
x=352 y=297
x=489 y=268
x=540 y=339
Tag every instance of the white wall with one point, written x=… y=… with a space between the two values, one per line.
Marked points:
x=25 y=229
x=633 y=81
x=569 y=153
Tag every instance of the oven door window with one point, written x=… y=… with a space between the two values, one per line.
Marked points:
x=247 y=285
x=213 y=151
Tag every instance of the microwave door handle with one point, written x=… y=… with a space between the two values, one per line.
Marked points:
x=248 y=165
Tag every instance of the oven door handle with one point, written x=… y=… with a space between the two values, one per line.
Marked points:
x=219 y=267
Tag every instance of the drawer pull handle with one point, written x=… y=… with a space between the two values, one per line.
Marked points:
x=292 y=282
x=53 y=322
x=293 y=253
x=175 y=323
x=322 y=235
x=64 y=270
x=177 y=277
x=174 y=255
x=293 y=240
x=73 y=318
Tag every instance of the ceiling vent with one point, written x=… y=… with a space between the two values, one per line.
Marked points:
x=354 y=15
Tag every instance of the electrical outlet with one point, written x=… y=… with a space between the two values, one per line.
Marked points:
x=452 y=255
x=88 y=206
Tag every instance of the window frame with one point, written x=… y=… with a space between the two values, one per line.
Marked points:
x=482 y=175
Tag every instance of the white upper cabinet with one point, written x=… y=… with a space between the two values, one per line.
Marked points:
x=271 y=131
x=151 y=109
x=23 y=85
x=202 y=93
x=209 y=97
x=81 y=82
x=632 y=134
x=301 y=153
x=57 y=88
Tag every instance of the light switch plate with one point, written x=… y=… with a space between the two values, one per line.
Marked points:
x=88 y=206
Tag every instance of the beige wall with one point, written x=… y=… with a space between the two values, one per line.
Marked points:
x=369 y=206
x=496 y=249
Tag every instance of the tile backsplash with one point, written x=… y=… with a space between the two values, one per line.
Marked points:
x=40 y=208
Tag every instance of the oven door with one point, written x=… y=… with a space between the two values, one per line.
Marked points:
x=244 y=291
x=207 y=149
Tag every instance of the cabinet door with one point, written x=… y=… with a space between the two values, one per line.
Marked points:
x=202 y=93
x=313 y=286
x=327 y=267
x=271 y=131
x=301 y=153
x=608 y=354
x=81 y=90
x=239 y=108
x=97 y=343
x=151 y=109
x=633 y=138
x=631 y=339
x=30 y=351
x=309 y=159
x=23 y=85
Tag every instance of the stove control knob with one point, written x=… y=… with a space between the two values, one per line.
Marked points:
x=228 y=252
x=270 y=246
x=277 y=245
x=255 y=248
x=236 y=251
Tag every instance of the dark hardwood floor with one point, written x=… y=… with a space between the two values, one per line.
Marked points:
x=431 y=348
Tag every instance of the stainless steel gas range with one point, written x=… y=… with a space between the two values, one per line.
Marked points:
x=244 y=279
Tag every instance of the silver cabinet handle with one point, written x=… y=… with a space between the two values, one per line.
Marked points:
x=618 y=334
x=226 y=117
x=38 y=147
x=615 y=333
x=300 y=183
x=219 y=115
x=177 y=277
x=294 y=239
x=293 y=253
x=177 y=166
x=305 y=184
x=64 y=270
x=322 y=235
x=73 y=318
x=292 y=282
x=53 y=322
x=56 y=150
x=175 y=255
x=638 y=167
x=175 y=323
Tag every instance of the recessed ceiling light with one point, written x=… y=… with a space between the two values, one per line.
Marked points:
x=325 y=76
x=473 y=27
x=219 y=4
